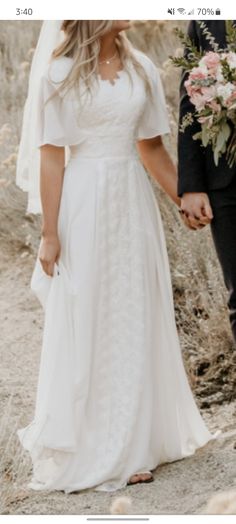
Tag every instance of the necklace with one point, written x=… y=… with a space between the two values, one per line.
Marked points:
x=109 y=60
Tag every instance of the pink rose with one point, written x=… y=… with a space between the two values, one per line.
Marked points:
x=231 y=99
x=211 y=60
x=191 y=89
x=214 y=106
x=206 y=119
x=199 y=101
x=209 y=92
x=231 y=59
x=197 y=74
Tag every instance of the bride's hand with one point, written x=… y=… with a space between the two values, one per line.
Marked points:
x=49 y=253
x=196 y=210
x=187 y=222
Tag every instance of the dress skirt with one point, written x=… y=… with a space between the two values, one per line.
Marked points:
x=113 y=397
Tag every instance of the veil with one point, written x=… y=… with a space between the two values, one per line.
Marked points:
x=28 y=160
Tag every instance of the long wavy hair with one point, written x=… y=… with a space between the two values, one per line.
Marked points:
x=82 y=43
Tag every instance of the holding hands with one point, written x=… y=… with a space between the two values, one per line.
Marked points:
x=195 y=210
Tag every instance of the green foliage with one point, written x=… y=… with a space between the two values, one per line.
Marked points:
x=205 y=135
x=208 y=35
x=191 y=54
x=221 y=140
x=187 y=120
x=230 y=35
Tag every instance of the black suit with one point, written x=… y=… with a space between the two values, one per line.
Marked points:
x=197 y=172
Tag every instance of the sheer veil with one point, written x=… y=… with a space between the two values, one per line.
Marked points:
x=28 y=161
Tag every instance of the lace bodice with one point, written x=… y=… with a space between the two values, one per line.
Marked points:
x=123 y=110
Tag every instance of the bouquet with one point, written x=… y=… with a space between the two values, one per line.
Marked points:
x=211 y=87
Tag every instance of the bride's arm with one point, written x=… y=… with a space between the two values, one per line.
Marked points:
x=159 y=164
x=52 y=161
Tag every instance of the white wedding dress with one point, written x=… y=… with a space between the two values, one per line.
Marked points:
x=113 y=398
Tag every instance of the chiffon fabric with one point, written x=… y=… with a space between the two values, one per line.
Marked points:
x=113 y=398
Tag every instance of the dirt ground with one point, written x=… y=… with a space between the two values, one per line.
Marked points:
x=182 y=487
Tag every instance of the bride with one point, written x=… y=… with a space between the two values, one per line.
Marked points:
x=113 y=399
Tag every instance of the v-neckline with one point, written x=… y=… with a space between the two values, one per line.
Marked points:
x=109 y=80
x=120 y=72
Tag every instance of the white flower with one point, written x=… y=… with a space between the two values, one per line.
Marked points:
x=219 y=75
x=231 y=59
x=202 y=66
x=225 y=91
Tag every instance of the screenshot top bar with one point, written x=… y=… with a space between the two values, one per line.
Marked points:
x=151 y=10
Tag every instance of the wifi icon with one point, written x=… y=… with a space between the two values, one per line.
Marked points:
x=181 y=11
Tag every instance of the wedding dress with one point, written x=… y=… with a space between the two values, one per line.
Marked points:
x=113 y=397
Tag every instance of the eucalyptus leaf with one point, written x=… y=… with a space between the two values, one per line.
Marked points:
x=205 y=135
x=197 y=136
x=226 y=130
x=220 y=142
x=223 y=137
x=216 y=157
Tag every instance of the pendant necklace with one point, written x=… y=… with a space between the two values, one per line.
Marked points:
x=109 y=60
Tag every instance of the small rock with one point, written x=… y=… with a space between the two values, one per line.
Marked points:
x=121 y=506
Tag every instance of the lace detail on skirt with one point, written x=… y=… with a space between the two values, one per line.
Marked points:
x=120 y=328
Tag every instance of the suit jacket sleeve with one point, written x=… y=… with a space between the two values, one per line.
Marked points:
x=191 y=154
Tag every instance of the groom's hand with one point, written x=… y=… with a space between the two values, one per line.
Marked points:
x=196 y=209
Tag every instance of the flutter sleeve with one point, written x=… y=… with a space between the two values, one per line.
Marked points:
x=56 y=123
x=154 y=119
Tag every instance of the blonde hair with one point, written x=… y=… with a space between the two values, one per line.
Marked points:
x=82 y=42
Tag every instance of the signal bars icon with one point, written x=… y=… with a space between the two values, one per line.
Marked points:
x=181 y=11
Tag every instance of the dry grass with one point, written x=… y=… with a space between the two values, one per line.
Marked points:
x=200 y=297
x=14 y=463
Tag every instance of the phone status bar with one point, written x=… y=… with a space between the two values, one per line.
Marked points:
x=195 y=12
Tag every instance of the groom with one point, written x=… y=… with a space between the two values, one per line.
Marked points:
x=207 y=191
